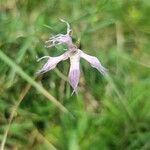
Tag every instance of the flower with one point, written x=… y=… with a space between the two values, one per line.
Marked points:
x=74 y=54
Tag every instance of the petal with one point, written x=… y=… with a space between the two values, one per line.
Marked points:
x=94 y=62
x=74 y=72
x=52 y=62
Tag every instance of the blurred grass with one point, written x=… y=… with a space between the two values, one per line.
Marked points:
x=109 y=113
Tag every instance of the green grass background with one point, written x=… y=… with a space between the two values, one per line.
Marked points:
x=109 y=113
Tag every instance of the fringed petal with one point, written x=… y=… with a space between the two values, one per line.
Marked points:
x=60 y=38
x=74 y=72
x=52 y=62
x=94 y=62
x=68 y=26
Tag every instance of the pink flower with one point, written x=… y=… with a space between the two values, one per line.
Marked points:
x=74 y=54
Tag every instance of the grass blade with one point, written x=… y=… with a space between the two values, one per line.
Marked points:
x=26 y=77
